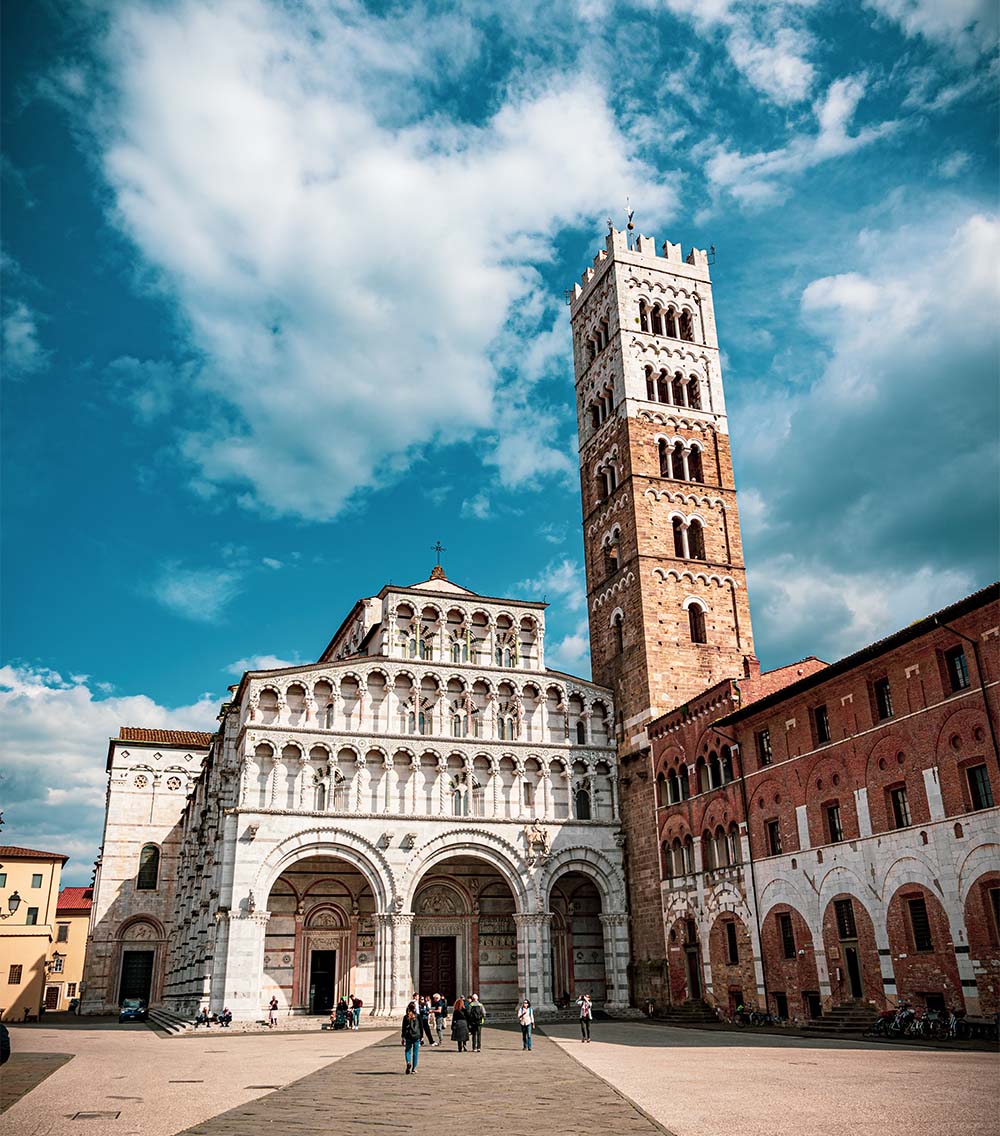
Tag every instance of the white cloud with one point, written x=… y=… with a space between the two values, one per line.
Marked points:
x=55 y=735
x=877 y=528
x=570 y=654
x=764 y=39
x=954 y=164
x=561 y=582
x=346 y=266
x=477 y=507
x=761 y=178
x=272 y=563
x=23 y=355
x=196 y=593
x=968 y=27
x=148 y=386
x=260 y=663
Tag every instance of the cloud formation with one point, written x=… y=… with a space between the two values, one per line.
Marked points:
x=56 y=734
x=349 y=265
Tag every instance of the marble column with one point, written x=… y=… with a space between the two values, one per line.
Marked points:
x=616 y=955
x=243 y=965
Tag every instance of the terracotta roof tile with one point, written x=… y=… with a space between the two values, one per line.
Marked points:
x=75 y=899
x=12 y=852
x=165 y=737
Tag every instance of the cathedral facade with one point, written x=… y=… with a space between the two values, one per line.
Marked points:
x=425 y=807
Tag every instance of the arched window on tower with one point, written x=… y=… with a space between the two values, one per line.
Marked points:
x=595 y=416
x=694 y=392
x=601 y=485
x=679 y=547
x=663 y=451
x=611 y=554
x=696 y=540
x=734 y=844
x=650 y=385
x=581 y=733
x=667 y=860
x=581 y=800
x=673 y=788
x=662 y=387
x=671 y=322
x=618 y=631
x=714 y=771
x=683 y=779
x=726 y=758
x=696 y=623
x=643 y=316
x=695 y=469
x=686 y=327
x=707 y=852
x=656 y=320
x=677 y=393
x=148 y=876
x=689 y=855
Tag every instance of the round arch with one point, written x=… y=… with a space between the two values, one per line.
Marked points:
x=335 y=843
x=588 y=862
x=477 y=845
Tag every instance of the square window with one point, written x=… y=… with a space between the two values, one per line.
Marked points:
x=900 y=807
x=3 y=879
x=36 y=880
x=980 y=790
x=834 y=828
x=957 y=667
x=773 y=829
x=822 y=721
x=62 y=933
x=70 y=989
x=883 y=698
x=32 y=919
x=57 y=964
x=14 y=975
x=764 y=746
x=920 y=924
x=787 y=935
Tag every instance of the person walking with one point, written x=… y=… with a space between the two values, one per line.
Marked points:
x=439 y=1009
x=460 y=1026
x=410 y=1033
x=477 y=1018
x=424 y=1014
x=356 y=1005
x=586 y=1016
x=272 y=1012
x=526 y=1019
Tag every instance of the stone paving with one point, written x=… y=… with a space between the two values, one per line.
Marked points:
x=26 y=1071
x=502 y=1088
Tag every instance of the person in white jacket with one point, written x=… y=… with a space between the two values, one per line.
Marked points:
x=586 y=1015
x=526 y=1018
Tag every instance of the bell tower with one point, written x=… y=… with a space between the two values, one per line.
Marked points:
x=666 y=584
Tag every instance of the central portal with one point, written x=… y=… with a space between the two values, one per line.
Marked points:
x=322 y=981
x=437 y=966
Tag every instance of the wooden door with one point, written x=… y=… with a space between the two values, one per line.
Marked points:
x=437 y=966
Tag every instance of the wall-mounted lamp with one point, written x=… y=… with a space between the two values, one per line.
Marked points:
x=13 y=903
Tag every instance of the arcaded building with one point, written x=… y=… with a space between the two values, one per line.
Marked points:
x=425 y=807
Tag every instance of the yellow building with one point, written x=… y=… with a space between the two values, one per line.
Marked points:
x=29 y=897
x=69 y=950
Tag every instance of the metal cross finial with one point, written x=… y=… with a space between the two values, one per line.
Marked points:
x=439 y=548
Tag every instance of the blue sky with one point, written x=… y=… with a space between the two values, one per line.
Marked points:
x=283 y=305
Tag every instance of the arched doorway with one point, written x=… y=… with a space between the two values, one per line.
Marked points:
x=320 y=940
x=578 y=963
x=464 y=938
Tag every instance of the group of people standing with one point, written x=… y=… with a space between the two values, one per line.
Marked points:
x=468 y=1017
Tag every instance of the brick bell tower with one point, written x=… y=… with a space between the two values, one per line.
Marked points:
x=666 y=584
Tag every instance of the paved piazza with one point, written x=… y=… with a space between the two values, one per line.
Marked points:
x=685 y=1082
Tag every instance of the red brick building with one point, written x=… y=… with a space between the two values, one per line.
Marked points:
x=829 y=834
x=805 y=838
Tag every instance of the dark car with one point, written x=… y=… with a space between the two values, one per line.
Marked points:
x=133 y=1010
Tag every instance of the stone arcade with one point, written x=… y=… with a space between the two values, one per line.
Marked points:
x=425 y=807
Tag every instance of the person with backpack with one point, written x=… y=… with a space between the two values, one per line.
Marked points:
x=586 y=1016
x=526 y=1019
x=356 y=1005
x=424 y=1014
x=477 y=1017
x=410 y=1034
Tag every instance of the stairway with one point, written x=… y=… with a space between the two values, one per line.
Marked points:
x=849 y=1017
x=170 y=1022
x=690 y=1013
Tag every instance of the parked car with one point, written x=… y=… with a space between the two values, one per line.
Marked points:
x=133 y=1010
